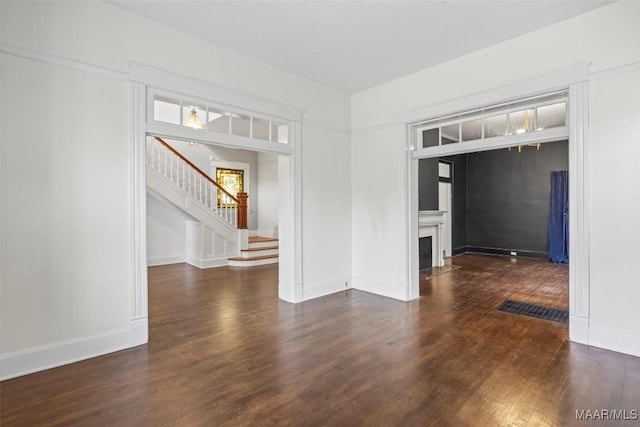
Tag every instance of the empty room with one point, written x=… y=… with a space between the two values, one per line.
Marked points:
x=119 y=301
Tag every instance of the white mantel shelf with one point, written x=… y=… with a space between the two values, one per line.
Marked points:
x=430 y=225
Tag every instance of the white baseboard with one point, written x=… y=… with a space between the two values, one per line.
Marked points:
x=62 y=353
x=164 y=260
x=315 y=290
x=610 y=339
x=297 y=293
x=139 y=331
x=208 y=262
x=578 y=329
x=384 y=289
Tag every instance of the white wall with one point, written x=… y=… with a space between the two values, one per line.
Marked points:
x=166 y=231
x=268 y=197
x=615 y=210
x=67 y=214
x=65 y=209
x=606 y=38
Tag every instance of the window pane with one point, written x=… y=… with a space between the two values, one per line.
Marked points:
x=444 y=170
x=231 y=180
x=166 y=110
x=279 y=133
x=472 y=130
x=261 y=129
x=551 y=116
x=450 y=134
x=218 y=120
x=521 y=122
x=495 y=126
x=194 y=116
x=431 y=138
x=240 y=125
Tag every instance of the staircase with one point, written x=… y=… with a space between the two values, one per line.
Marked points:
x=219 y=236
x=261 y=251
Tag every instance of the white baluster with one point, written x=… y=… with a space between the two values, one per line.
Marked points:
x=184 y=175
x=165 y=163
x=152 y=157
x=173 y=159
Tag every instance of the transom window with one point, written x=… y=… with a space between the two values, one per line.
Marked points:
x=521 y=117
x=218 y=119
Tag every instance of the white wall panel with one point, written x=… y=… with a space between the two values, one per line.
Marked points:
x=326 y=206
x=65 y=206
x=267 y=195
x=165 y=231
x=377 y=211
x=615 y=207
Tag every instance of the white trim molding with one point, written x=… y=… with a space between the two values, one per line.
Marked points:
x=615 y=71
x=546 y=84
x=290 y=213
x=138 y=183
x=64 y=352
x=165 y=260
x=320 y=289
x=153 y=77
x=575 y=80
x=392 y=290
x=579 y=178
x=611 y=339
x=61 y=61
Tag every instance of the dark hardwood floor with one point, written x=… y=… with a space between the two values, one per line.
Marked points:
x=223 y=350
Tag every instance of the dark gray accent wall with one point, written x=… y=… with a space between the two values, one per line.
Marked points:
x=508 y=197
x=428 y=184
x=500 y=197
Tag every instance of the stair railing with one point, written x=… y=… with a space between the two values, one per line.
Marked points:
x=170 y=163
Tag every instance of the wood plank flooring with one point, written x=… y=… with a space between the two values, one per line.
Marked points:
x=224 y=350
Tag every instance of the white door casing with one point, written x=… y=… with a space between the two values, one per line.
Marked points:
x=575 y=81
x=444 y=204
x=146 y=79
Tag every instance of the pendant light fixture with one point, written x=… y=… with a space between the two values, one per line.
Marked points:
x=193 y=121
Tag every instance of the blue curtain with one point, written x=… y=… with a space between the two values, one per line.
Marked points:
x=559 y=220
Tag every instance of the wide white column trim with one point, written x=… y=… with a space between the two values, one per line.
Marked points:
x=139 y=291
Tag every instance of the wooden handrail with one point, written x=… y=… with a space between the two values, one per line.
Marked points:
x=207 y=177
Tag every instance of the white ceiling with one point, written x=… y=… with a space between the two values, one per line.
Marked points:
x=354 y=45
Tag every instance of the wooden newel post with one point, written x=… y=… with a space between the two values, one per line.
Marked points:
x=242 y=210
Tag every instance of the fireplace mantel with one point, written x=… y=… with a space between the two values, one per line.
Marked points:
x=430 y=225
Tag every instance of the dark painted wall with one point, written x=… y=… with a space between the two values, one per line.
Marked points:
x=428 y=184
x=508 y=197
x=500 y=197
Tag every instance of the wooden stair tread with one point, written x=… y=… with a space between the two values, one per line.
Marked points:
x=253 y=258
x=257 y=239
x=265 y=248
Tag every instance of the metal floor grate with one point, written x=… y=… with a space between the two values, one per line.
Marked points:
x=537 y=311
